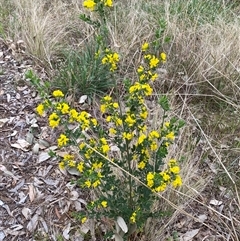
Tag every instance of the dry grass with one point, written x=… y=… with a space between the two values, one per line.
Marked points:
x=45 y=26
x=202 y=73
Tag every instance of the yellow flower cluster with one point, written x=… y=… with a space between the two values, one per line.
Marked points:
x=108 y=3
x=54 y=120
x=63 y=107
x=145 y=46
x=146 y=73
x=40 y=109
x=91 y=4
x=111 y=58
x=62 y=140
x=133 y=217
x=137 y=87
x=67 y=161
x=159 y=181
x=104 y=204
x=58 y=93
x=153 y=60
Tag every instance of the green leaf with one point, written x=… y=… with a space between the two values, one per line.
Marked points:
x=163 y=101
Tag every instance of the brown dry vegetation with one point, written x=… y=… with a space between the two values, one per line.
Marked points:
x=201 y=78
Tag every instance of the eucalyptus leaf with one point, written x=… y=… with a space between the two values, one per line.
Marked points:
x=122 y=224
x=118 y=237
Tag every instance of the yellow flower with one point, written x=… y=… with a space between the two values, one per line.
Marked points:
x=170 y=136
x=148 y=89
x=68 y=157
x=141 y=165
x=163 y=57
x=96 y=165
x=104 y=60
x=58 y=93
x=62 y=140
x=142 y=128
x=127 y=136
x=130 y=120
x=140 y=69
x=144 y=114
x=150 y=177
x=112 y=131
x=148 y=56
x=104 y=204
x=133 y=217
x=96 y=184
x=115 y=105
x=145 y=46
x=61 y=165
x=175 y=169
x=142 y=76
x=141 y=139
x=153 y=146
x=133 y=88
x=88 y=183
x=116 y=57
x=118 y=122
x=83 y=220
x=165 y=176
x=90 y=4
x=109 y=118
x=72 y=163
x=73 y=115
x=82 y=145
x=103 y=108
x=103 y=141
x=80 y=166
x=105 y=149
x=177 y=182
x=99 y=174
x=88 y=153
x=154 y=77
x=108 y=3
x=172 y=162
x=40 y=109
x=153 y=62
x=167 y=143
x=94 y=122
x=153 y=134
x=97 y=54
x=161 y=188
x=167 y=124
x=65 y=108
x=53 y=120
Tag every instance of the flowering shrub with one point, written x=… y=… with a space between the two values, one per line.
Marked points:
x=128 y=143
x=122 y=159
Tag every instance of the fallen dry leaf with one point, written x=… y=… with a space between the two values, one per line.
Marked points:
x=215 y=202
x=66 y=231
x=189 y=235
x=33 y=223
x=31 y=192
x=21 y=144
x=26 y=212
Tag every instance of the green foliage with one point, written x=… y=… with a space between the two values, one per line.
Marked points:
x=200 y=12
x=43 y=87
x=83 y=72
